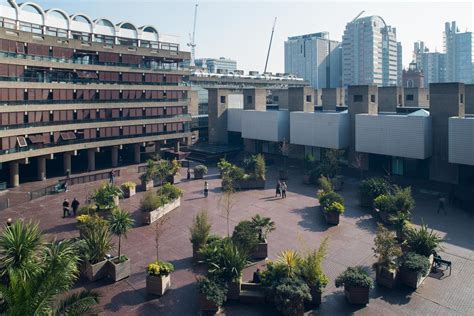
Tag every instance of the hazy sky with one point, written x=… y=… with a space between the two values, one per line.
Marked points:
x=241 y=29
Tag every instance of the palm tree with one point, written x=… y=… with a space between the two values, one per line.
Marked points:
x=35 y=292
x=289 y=259
x=263 y=225
x=120 y=223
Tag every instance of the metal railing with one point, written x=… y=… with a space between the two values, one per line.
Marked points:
x=27 y=102
x=56 y=79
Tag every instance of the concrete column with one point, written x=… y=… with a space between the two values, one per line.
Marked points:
x=136 y=152
x=114 y=155
x=91 y=159
x=177 y=146
x=41 y=168
x=67 y=162
x=218 y=102
x=14 y=174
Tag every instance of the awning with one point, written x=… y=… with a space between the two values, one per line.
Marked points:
x=36 y=139
x=21 y=141
x=68 y=135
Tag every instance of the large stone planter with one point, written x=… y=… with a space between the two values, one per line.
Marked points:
x=94 y=272
x=158 y=285
x=332 y=218
x=129 y=192
x=234 y=290
x=412 y=278
x=198 y=174
x=260 y=251
x=206 y=305
x=150 y=217
x=386 y=277
x=147 y=185
x=357 y=295
x=119 y=270
x=315 y=295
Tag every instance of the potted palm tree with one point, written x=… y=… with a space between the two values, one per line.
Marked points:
x=37 y=284
x=387 y=252
x=173 y=170
x=263 y=226
x=200 y=171
x=129 y=189
x=212 y=294
x=200 y=231
x=97 y=245
x=312 y=272
x=414 y=269
x=106 y=197
x=158 y=278
x=120 y=223
x=150 y=173
x=357 y=284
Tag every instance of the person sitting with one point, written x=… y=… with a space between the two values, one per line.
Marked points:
x=257 y=277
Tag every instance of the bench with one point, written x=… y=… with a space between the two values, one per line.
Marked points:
x=439 y=263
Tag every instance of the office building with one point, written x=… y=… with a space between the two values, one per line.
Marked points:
x=220 y=65
x=399 y=63
x=369 y=53
x=315 y=58
x=459 y=49
x=432 y=64
x=77 y=91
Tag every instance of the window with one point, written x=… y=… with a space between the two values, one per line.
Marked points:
x=358 y=98
x=399 y=99
x=372 y=98
x=410 y=97
x=275 y=98
x=461 y=98
x=308 y=98
x=222 y=98
x=249 y=99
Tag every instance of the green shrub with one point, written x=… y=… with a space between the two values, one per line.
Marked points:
x=334 y=207
x=311 y=270
x=201 y=169
x=386 y=248
x=171 y=192
x=273 y=273
x=246 y=236
x=228 y=262
x=260 y=167
x=371 y=188
x=417 y=263
x=400 y=201
x=104 y=196
x=128 y=185
x=214 y=290
x=159 y=268
x=200 y=229
x=150 y=202
x=263 y=226
x=325 y=185
x=97 y=242
x=354 y=277
x=224 y=166
x=423 y=241
x=327 y=199
x=290 y=295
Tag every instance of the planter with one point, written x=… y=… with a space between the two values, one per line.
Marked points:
x=306 y=179
x=158 y=285
x=283 y=174
x=385 y=277
x=412 y=278
x=198 y=174
x=170 y=179
x=119 y=270
x=116 y=201
x=147 y=185
x=332 y=218
x=260 y=251
x=150 y=217
x=337 y=183
x=206 y=305
x=94 y=272
x=234 y=290
x=196 y=255
x=315 y=295
x=129 y=192
x=357 y=294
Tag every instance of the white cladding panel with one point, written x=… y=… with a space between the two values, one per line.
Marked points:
x=266 y=125
x=234 y=120
x=461 y=140
x=324 y=129
x=235 y=101
x=394 y=135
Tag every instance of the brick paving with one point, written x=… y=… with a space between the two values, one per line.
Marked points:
x=299 y=225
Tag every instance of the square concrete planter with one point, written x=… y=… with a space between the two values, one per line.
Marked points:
x=129 y=192
x=332 y=218
x=385 y=277
x=412 y=278
x=260 y=251
x=150 y=217
x=158 y=285
x=206 y=305
x=315 y=295
x=94 y=272
x=234 y=290
x=147 y=185
x=198 y=174
x=196 y=255
x=357 y=294
x=119 y=270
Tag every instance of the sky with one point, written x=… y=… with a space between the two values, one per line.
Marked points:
x=241 y=29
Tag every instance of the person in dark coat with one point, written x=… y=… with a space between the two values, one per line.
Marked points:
x=75 y=206
x=66 y=208
x=278 y=189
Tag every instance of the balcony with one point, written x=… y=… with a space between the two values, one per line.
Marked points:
x=461 y=140
x=273 y=126
x=234 y=120
x=407 y=136
x=320 y=129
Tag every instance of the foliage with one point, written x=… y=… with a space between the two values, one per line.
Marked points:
x=170 y=191
x=354 y=277
x=97 y=243
x=224 y=166
x=88 y=209
x=228 y=262
x=85 y=222
x=327 y=199
x=175 y=165
x=128 y=185
x=334 y=207
x=263 y=225
x=311 y=269
x=214 y=290
x=371 y=188
x=330 y=162
x=400 y=201
x=260 y=167
x=245 y=236
x=159 y=268
x=201 y=169
x=200 y=229
x=423 y=241
x=165 y=194
x=386 y=249
x=84 y=218
x=211 y=250
x=104 y=196
x=401 y=221
x=417 y=263
x=119 y=224
x=325 y=185
x=310 y=163
x=290 y=259
x=273 y=273
x=290 y=295
x=231 y=177
x=36 y=274
x=150 y=171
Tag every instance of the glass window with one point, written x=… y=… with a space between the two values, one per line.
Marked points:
x=358 y=98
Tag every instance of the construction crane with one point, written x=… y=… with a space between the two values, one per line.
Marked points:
x=270 y=46
x=192 y=38
x=358 y=15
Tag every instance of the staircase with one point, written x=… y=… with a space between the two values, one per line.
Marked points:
x=252 y=293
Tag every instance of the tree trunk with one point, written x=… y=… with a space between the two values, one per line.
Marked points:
x=120 y=237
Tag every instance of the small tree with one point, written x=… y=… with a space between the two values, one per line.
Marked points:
x=330 y=164
x=159 y=230
x=226 y=199
x=311 y=269
x=386 y=250
x=201 y=229
x=120 y=223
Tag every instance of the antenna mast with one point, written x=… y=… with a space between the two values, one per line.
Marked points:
x=270 y=46
x=192 y=38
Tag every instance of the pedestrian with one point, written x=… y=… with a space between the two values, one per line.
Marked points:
x=283 y=190
x=278 y=189
x=257 y=277
x=68 y=174
x=75 y=206
x=66 y=186
x=206 y=188
x=188 y=174
x=112 y=176
x=66 y=208
x=9 y=222
x=441 y=204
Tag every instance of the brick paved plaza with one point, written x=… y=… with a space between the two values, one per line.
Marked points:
x=299 y=224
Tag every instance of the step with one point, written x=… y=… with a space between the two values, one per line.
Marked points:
x=252 y=297
x=248 y=286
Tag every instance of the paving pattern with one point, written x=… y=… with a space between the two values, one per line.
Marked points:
x=300 y=225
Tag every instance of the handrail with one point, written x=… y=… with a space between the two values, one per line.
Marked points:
x=48 y=79
x=32 y=102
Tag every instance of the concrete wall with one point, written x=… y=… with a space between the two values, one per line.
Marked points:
x=326 y=129
x=390 y=98
x=332 y=97
x=234 y=120
x=266 y=125
x=255 y=99
x=217 y=111
x=301 y=99
x=461 y=140
x=420 y=97
x=469 y=98
x=282 y=95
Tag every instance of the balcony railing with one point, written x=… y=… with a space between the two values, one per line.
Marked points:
x=53 y=79
x=32 y=102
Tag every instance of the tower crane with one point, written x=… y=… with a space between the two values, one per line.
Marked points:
x=270 y=46
x=362 y=12
x=192 y=42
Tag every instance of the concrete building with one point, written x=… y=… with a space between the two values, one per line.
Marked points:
x=315 y=58
x=399 y=64
x=220 y=65
x=369 y=53
x=413 y=77
x=459 y=48
x=432 y=64
x=77 y=91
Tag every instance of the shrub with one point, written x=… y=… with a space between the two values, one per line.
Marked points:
x=325 y=185
x=327 y=199
x=214 y=290
x=309 y=163
x=274 y=272
x=171 y=192
x=150 y=171
x=330 y=162
x=290 y=295
x=159 y=268
x=97 y=242
x=417 y=263
x=150 y=202
x=290 y=259
x=165 y=194
x=246 y=236
x=423 y=241
x=400 y=201
x=201 y=169
x=354 y=277
x=386 y=249
x=129 y=185
x=81 y=219
x=371 y=188
x=263 y=225
x=260 y=167
x=311 y=269
x=200 y=229
x=334 y=207
x=85 y=222
x=211 y=250
x=223 y=166
x=89 y=209
x=104 y=196
x=228 y=262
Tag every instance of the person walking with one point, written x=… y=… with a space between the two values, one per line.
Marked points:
x=206 y=189
x=278 y=189
x=66 y=208
x=441 y=204
x=112 y=176
x=283 y=190
x=75 y=206
x=9 y=222
x=188 y=174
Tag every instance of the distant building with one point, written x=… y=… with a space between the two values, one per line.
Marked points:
x=399 y=63
x=315 y=58
x=214 y=65
x=413 y=77
x=433 y=64
x=459 y=54
x=370 y=53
